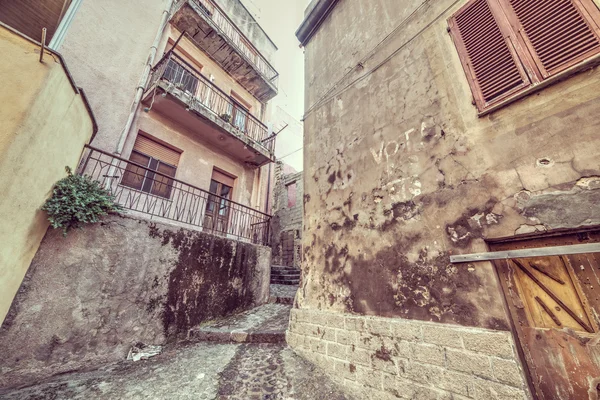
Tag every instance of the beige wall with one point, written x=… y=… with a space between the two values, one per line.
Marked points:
x=107 y=46
x=198 y=158
x=44 y=126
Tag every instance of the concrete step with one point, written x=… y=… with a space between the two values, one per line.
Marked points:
x=264 y=324
x=283 y=268
x=286 y=274
x=290 y=282
x=283 y=294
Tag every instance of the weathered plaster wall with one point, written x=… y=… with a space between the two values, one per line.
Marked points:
x=286 y=224
x=107 y=46
x=44 y=125
x=89 y=296
x=401 y=173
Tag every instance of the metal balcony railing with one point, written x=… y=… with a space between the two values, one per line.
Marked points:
x=202 y=92
x=228 y=29
x=144 y=190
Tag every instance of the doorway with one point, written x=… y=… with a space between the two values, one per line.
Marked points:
x=218 y=208
x=554 y=304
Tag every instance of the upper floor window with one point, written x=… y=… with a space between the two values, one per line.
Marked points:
x=155 y=157
x=508 y=46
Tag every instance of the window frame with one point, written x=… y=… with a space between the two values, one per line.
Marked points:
x=523 y=53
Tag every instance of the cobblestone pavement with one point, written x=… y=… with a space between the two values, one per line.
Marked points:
x=198 y=371
x=205 y=370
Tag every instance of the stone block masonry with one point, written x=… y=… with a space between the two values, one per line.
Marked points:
x=391 y=358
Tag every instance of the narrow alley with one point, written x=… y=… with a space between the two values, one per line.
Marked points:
x=243 y=357
x=300 y=199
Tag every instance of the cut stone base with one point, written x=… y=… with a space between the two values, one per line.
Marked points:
x=387 y=358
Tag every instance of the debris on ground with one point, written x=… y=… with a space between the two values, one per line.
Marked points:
x=142 y=351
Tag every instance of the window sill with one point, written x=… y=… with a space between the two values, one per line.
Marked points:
x=587 y=64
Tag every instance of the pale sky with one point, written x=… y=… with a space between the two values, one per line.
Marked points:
x=280 y=19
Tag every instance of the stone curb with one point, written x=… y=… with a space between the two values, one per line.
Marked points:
x=281 y=300
x=238 y=336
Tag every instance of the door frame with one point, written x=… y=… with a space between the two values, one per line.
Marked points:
x=490 y=243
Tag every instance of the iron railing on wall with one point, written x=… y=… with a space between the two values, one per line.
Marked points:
x=202 y=92
x=142 y=190
x=243 y=45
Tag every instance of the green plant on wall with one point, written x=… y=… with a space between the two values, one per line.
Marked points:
x=78 y=200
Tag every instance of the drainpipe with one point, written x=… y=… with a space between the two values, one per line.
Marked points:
x=144 y=79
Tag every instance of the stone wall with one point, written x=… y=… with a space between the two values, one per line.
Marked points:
x=89 y=296
x=286 y=224
x=401 y=172
x=385 y=358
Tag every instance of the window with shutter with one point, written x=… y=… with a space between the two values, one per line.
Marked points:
x=155 y=157
x=508 y=46
x=558 y=33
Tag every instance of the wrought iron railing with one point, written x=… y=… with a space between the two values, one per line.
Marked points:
x=228 y=28
x=161 y=197
x=203 y=93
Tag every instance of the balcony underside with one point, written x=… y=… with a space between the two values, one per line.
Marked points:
x=208 y=126
x=205 y=34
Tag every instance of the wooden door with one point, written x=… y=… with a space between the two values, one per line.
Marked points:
x=218 y=209
x=554 y=302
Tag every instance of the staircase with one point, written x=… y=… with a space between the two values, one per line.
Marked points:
x=281 y=275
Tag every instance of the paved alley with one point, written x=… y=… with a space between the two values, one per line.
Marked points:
x=242 y=357
x=195 y=371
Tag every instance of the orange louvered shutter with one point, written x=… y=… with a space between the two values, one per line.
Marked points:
x=156 y=150
x=485 y=46
x=558 y=33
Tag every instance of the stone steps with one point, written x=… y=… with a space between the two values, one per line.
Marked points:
x=264 y=324
x=283 y=275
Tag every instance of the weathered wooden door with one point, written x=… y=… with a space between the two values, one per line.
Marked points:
x=554 y=302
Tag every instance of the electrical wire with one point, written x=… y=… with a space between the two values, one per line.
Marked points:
x=293 y=152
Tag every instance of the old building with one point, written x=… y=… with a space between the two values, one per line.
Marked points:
x=181 y=91
x=199 y=117
x=446 y=128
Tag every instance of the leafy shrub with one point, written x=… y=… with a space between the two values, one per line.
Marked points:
x=78 y=200
x=225 y=117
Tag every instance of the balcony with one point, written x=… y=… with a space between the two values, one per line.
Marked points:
x=214 y=33
x=149 y=193
x=183 y=94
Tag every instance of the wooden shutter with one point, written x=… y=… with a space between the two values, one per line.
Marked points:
x=156 y=150
x=487 y=53
x=558 y=33
x=223 y=178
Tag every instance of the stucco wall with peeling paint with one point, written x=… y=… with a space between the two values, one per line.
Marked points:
x=401 y=172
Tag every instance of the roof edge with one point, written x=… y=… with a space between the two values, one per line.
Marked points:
x=314 y=19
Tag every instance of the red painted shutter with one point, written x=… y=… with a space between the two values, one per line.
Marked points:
x=558 y=33
x=484 y=42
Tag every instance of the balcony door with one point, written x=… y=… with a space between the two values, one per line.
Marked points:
x=217 y=216
x=239 y=112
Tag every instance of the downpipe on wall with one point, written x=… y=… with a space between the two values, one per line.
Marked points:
x=144 y=78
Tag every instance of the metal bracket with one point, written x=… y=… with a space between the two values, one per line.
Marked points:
x=522 y=253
